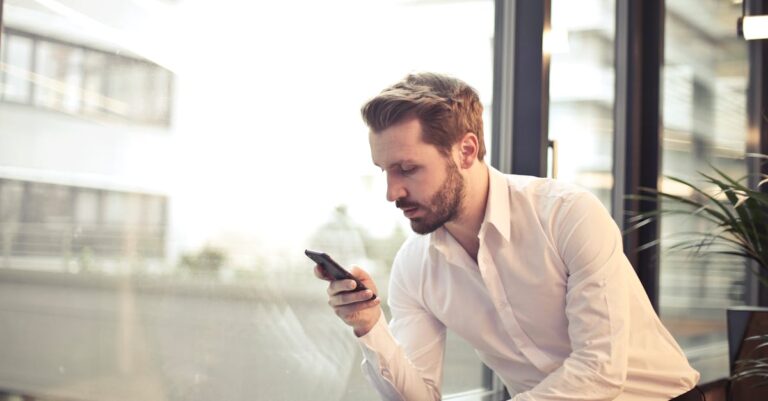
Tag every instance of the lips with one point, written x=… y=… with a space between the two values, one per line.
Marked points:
x=410 y=211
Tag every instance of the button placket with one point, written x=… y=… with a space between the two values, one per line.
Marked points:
x=504 y=309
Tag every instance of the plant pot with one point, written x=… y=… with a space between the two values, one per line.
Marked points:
x=745 y=322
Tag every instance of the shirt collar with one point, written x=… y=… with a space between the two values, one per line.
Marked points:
x=496 y=211
x=497 y=208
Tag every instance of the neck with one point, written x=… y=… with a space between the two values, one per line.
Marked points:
x=466 y=226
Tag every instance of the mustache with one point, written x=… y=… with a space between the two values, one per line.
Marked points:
x=404 y=204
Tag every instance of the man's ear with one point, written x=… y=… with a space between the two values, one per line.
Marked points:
x=468 y=148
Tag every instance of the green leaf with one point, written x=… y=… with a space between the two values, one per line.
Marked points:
x=736 y=213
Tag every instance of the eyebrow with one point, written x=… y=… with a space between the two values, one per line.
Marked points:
x=395 y=163
x=403 y=161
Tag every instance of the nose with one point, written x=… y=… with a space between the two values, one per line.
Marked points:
x=395 y=189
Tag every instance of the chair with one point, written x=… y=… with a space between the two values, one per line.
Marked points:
x=716 y=390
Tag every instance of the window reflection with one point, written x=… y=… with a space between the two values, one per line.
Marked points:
x=164 y=183
x=704 y=105
x=53 y=227
x=17 y=66
x=582 y=93
x=76 y=79
x=57 y=80
x=94 y=80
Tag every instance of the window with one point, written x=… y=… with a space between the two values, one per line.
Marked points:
x=58 y=76
x=53 y=225
x=704 y=108
x=94 y=79
x=581 y=44
x=80 y=80
x=127 y=85
x=174 y=264
x=17 y=65
x=10 y=217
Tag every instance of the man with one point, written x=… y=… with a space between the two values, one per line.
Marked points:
x=528 y=271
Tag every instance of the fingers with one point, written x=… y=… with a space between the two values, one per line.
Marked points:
x=337 y=286
x=364 y=278
x=359 y=273
x=360 y=309
x=346 y=298
x=321 y=274
x=352 y=312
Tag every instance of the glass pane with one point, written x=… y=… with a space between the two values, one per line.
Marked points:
x=11 y=195
x=581 y=91
x=94 y=92
x=46 y=220
x=80 y=78
x=159 y=85
x=87 y=207
x=17 y=65
x=704 y=108
x=176 y=270
x=59 y=76
x=155 y=207
x=116 y=209
x=122 y=86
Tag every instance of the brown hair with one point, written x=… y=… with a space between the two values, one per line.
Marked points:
x=446 y=107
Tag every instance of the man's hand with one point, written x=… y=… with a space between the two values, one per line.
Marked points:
x=356 y=309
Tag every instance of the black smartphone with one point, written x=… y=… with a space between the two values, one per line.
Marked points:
x=334 y=269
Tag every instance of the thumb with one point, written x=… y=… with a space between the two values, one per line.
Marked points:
x=364 y=278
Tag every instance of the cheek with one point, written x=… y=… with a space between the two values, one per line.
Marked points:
x=424 y=189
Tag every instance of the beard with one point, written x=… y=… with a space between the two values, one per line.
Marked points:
x=444 y=205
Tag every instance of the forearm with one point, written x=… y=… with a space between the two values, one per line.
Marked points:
x=388 y=368
x=577 y=381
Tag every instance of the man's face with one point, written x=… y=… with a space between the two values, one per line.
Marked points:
x=423 y=182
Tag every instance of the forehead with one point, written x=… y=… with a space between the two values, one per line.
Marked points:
x=400 y=142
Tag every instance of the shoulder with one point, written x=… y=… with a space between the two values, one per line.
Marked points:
x=537 y=208
x=546 y=197
x=524 y=185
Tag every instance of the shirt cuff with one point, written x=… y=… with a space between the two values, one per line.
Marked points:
x=378 y=345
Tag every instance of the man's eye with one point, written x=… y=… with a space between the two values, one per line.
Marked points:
x=407 y=169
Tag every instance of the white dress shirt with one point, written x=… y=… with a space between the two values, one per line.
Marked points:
x=552 y=305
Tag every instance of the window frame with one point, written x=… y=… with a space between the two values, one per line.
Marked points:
x=145 y=117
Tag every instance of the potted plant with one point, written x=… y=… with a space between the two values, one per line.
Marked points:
x=738 y=217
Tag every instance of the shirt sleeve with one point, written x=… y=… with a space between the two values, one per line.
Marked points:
x=404 y=360
x=597 y=307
